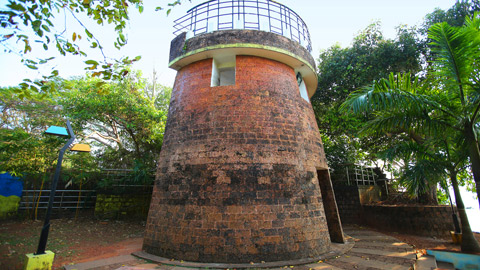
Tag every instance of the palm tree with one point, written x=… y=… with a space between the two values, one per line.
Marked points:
x=401 y=104
x=456 y=71
x=452 y=101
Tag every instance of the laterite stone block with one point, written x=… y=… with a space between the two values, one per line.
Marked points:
x=237 y=175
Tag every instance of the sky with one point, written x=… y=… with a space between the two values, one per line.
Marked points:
x=149 y=34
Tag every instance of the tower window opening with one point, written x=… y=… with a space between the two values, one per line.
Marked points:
x=302 y=87
x=223 y=71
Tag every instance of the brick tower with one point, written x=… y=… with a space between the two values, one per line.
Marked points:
x=242 y=161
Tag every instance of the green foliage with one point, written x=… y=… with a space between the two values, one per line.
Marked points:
x=119 y=116
x=437 y=108
x=24 y=150
x=33 y=22
x=440 y=114
x=454 y=16
x=342 y=71
x=124 y=119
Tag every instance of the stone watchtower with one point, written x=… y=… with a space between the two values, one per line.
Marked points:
x=238 y=175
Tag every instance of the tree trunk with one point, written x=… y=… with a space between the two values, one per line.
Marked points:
x=469 y=243
x=429 y=197
x=474 y=155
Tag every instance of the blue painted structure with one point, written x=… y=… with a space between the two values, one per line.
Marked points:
x=460 y=261
x=10 y=193
x=10 y=185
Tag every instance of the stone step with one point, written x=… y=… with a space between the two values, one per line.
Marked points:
x=382 y=258
x=321 y=266
x=360 y=232
x=367 y=263
x=425 y=262
x=397 y=246
x=445 y=266
x=405 y=255
x=373 y=238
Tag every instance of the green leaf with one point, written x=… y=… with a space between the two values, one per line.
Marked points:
x=88 y=33
x=91 y=62
x=15 y=6
x=32 y=67
x=36 y=24
x=140 y=9
x=122 y=37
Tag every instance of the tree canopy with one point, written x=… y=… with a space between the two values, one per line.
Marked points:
x=123 y=121
x=343 y=70
x=439 y=115
x=37 y=25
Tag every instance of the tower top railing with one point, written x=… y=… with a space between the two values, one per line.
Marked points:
x=264 y=15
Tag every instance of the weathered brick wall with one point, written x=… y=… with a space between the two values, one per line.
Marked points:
x=418 y=220
x=369 y=194
x=236 y=180
x=348 y=203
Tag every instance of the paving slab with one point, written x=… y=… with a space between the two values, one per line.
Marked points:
x=101 y=263
x=425 y=262
x=406 y=255
x=400 y=247
x=378 y=237
x=141 y=267
x=322 y=266
x=366 y=262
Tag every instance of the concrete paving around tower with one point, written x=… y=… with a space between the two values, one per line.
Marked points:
x=371 y=250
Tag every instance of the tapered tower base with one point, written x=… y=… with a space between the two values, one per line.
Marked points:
x=237 y=177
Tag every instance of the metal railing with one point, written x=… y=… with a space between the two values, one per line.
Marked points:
x=362 y=176
x=64 y=199
x=264 y=15
x=356 y=175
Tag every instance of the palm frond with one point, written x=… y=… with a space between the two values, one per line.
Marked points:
x=407 y=122
x=398 y=92
x=420 y=176
x=457 y=49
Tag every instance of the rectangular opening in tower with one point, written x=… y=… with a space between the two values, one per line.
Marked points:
x=223 y=70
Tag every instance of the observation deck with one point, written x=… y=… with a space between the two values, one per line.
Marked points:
x=269 y=16
x=262 y=28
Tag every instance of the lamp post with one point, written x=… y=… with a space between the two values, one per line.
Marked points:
x=43 y=260
x=58 y=131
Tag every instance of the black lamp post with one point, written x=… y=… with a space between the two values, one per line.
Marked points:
x=58 y=131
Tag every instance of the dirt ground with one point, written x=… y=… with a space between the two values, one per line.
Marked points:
x=88 y=239
x=71 y=240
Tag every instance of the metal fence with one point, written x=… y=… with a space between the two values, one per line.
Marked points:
x=361 y=175
x=356 y=175
x=115 y=180
x=262 y=15
x=64 y=199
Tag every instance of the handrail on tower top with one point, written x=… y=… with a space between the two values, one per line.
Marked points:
x=264 y=15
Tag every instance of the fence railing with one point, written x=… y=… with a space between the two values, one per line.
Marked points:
x=64 y=199
x=264 y=15
x=356 y=175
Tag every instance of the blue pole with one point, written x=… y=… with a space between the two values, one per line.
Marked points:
x=46 y=225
